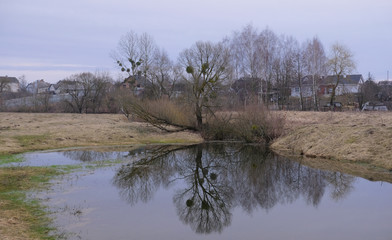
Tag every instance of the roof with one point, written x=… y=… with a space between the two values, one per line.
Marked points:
x=9 y=79
x=349 y=79
x=247 y=83
x=354 y=79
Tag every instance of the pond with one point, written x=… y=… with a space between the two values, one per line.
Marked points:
x=210 y=191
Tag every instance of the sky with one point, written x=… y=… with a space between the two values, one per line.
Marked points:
x=53 y=39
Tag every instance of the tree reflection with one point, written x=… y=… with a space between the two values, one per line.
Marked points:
x=90 y=156
x=139 y=180
x=220 y=177
x=205 y=204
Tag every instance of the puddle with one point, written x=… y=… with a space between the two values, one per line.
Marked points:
x=208 y=191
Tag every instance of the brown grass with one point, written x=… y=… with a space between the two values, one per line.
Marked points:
x=20 y=220
x=20 y=132
x=361 y=137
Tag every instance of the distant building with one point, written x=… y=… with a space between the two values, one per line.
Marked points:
x=37 y=87
x=348 y=84
x=9 y=84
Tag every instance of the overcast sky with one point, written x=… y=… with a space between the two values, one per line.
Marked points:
x=52 y=39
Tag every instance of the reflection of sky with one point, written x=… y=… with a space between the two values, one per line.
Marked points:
x=365 y=213
x=68 y=157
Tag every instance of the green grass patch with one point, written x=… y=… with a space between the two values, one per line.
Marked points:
x=15 y=183
x=4 y=159
x=164 y=141
x=351 y=140
x=30 y=140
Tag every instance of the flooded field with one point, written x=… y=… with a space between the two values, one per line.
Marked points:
x=209 y=191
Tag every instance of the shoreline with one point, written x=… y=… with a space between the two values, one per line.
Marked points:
x=357 y=137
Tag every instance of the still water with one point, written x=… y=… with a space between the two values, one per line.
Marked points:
x=210 y=191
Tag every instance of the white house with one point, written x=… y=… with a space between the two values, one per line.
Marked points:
x=9 y=84
x=348 y=84
x=39 y=86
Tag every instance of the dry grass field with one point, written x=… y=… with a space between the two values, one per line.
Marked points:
x=21 y=132
x=360 y=137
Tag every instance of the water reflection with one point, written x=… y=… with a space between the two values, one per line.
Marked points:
x=219 y=177
x=91 y=156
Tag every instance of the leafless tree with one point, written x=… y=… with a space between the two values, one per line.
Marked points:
x=147 y=50
x=128 y=55
x=86 y=91
x=340 y=63
x=268 y=44
x=286 y=65
x=22 y=83
x=163 y=75
x=300 y=72
x=369 y=91
x=245 y=53
x=206 y=68
x=315 y=61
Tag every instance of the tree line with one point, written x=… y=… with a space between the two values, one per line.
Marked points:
x=192 y=92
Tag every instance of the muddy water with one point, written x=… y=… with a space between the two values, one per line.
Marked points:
x=220 y=191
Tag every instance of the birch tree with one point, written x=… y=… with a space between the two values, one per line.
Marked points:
x=315 y=61
x=340 y=63
x=245 y=52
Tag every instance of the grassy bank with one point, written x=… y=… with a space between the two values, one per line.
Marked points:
x=21 y=217
x=350 y=136
x=357 y=137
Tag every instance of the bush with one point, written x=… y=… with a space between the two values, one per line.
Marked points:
x=163 y=114
x=253 y=124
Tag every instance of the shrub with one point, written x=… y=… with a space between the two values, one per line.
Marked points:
x=252 y=124
x=257 y=124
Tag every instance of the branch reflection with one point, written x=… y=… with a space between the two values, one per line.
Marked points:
x=216 y=178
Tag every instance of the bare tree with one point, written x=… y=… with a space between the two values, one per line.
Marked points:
x=340 y=63
x=299 y=72
x=315 y=61
x=286 y=66
x=147 y=50
x=268 y=43
x=245 y=52
x=206 y=67
x=369 y=91
x=22 y=83
x=100 y=85
x=86 y=91
x=162 y=75
x=128 y=55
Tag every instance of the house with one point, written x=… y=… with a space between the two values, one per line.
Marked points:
x=136 y=84
x=38 y=87
x=371 y=106
x=9 y=84
x=306 y=87
x=54 y=89
x=348 y=84
x=246 y=88
x=385 y=90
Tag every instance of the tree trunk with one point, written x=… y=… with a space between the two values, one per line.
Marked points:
x=199 y=117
